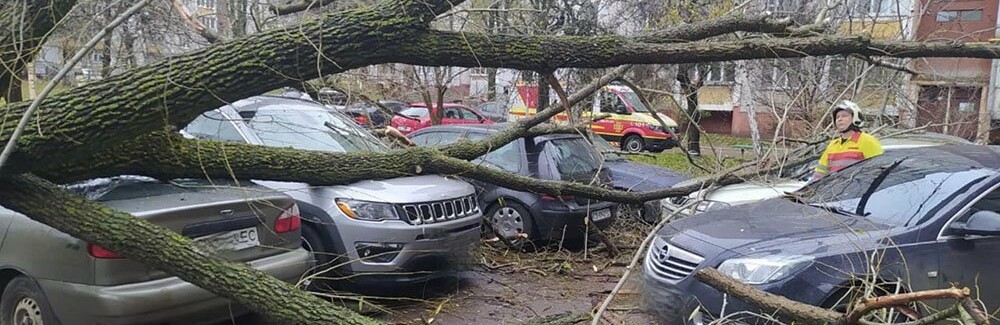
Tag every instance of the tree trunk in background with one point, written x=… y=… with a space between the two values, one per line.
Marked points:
x=26 y=24
x=491 y=84
x=689 y=90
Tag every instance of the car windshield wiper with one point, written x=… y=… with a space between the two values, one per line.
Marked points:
x=874 y=186
x=795 y=197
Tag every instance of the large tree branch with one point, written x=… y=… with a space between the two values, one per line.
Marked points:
x=170 y=156
x=177 y=89
x=166 y=250
x=716 y=27
x=291 y=7
x=545 y=53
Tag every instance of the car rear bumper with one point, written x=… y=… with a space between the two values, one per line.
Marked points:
x=551 y=222
x=162 y=301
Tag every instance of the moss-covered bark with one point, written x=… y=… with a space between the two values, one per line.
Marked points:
x=163 y=249
x=546 y=53
x=71 y=126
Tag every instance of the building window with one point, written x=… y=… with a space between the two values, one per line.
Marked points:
x=719 y=73
x=206 y=4
x=886 y=8
x=210 y=22
x=970 y=15
x=781 y=73
x=479 y=71
x=959 y=15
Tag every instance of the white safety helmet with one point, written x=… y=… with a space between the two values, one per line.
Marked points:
x=855 y=110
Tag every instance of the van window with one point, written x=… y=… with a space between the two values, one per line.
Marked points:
x=608 y=101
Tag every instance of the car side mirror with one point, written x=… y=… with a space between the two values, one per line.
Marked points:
x=621 y=109
x=982 y=223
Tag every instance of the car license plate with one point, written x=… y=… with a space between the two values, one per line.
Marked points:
x=600 y=215
x=231 y=240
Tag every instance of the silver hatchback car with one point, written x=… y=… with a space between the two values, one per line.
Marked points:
x=50 y=277
x=372 y=233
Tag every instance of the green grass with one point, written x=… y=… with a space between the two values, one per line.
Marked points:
x=723 y=140
x=676 y=160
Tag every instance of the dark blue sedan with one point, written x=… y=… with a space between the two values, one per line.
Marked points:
x=910 y=219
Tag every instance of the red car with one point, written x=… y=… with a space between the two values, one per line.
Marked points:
x=421 y=117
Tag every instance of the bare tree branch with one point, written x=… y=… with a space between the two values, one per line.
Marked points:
x=290 y=7
x=193 y=23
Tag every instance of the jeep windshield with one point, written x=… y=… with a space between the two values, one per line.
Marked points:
x=892 y=190
x=310 y=128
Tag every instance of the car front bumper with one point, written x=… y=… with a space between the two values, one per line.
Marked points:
x=692 y=302
x=660 y=144
x=162 y=301
x=428 y=251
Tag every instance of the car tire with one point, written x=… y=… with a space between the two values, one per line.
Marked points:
x=651 y=212
x=312 y=242
x=511 y=221
x=24 y=303
x=633 y=143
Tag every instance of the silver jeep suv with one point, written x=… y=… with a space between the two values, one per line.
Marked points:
x=401 y=230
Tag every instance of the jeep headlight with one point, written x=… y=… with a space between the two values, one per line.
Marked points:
x=764 y=269
x=366 y=210
x=655 y=127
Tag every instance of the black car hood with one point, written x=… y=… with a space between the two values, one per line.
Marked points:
x=633 y=176
x=777 y=226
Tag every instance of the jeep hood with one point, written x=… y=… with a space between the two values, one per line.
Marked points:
x=396 y=190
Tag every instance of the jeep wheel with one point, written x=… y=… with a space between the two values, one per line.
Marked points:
x=633 y=143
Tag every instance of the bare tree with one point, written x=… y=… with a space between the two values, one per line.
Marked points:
x=69 y=141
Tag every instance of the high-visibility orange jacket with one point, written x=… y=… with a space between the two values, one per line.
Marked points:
x=842 y=152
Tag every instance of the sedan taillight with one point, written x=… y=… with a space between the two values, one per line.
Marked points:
x=97 y=251
x=288 y=221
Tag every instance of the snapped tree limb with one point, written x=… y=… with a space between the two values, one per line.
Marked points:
x=810 y=314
